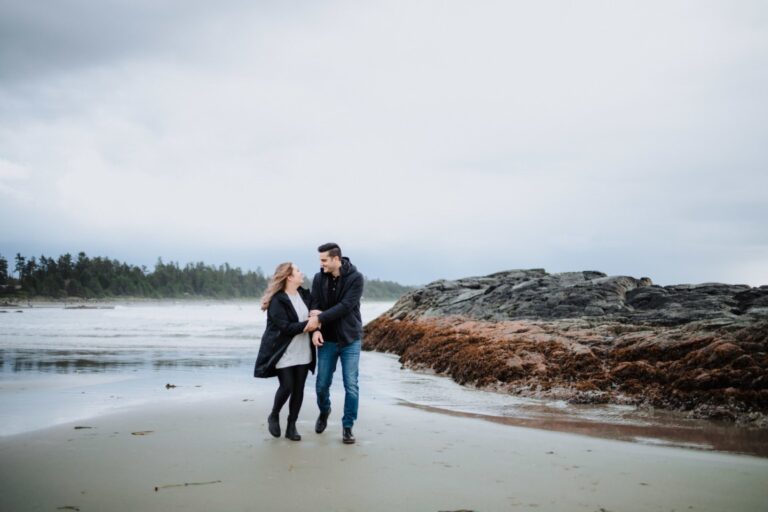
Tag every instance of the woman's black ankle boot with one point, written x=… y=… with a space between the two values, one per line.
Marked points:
x=291 y=433
x=274 y=424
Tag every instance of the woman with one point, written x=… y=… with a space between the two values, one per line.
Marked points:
x=286 y=350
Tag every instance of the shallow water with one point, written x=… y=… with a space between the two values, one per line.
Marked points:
x=60 y=365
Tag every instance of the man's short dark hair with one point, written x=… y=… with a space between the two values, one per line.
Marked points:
x=331 y=248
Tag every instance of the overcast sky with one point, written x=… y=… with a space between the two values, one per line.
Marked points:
x=431 y=139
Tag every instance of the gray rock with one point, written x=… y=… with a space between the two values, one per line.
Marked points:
x=538 y=295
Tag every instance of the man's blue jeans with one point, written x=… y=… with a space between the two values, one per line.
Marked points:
x=327 y=355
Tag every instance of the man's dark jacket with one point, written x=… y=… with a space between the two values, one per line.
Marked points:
x=282 y=325
x=340 y=317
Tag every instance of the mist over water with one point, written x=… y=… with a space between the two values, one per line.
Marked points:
x=60 y=365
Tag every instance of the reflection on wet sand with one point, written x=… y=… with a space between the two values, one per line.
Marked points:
x=701 y=434
x=71 y=365
x=95 y=361
x=195 y=363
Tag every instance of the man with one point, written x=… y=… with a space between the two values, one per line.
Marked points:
x=335 y=304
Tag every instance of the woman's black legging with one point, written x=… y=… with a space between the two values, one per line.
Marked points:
x=292 y=381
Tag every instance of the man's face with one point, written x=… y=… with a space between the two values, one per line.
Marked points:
x=328 y=264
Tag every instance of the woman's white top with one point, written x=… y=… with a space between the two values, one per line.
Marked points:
x=298 y=351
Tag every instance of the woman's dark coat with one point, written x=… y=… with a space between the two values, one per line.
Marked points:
x=282 y=325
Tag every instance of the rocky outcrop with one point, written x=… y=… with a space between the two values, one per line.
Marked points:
x=588 y=337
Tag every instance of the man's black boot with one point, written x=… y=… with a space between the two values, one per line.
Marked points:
x=274 y=424
x=348 y=437
x=291 y=432
x=322 y=421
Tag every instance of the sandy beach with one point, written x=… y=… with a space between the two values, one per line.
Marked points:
x=424 y=442
x=405 y=459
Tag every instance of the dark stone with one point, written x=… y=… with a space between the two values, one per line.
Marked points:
x=536 y=295
x=590 y=338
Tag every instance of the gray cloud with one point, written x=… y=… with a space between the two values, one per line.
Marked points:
x=41 y=38
x=459 y=138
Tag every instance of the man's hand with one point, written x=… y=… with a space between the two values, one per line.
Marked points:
x=313 y=324
x=317 y=339
x=315 y=312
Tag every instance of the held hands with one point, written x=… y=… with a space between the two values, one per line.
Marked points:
x=313 y=324
x=317 y=339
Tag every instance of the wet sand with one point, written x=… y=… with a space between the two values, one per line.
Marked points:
x=697 y=434
x=405 y=459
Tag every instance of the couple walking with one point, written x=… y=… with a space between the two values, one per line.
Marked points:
x=298 y=321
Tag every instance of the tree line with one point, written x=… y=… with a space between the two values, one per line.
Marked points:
x=101 y=277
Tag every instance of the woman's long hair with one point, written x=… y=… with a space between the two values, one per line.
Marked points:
x=277 y=283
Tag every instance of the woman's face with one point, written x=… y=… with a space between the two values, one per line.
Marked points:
x=296 y=276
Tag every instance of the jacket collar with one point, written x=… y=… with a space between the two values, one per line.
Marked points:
x=283 y=297
x=346 y=268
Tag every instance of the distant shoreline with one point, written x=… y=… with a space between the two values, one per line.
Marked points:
x=73 y=301
x=49 y=302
